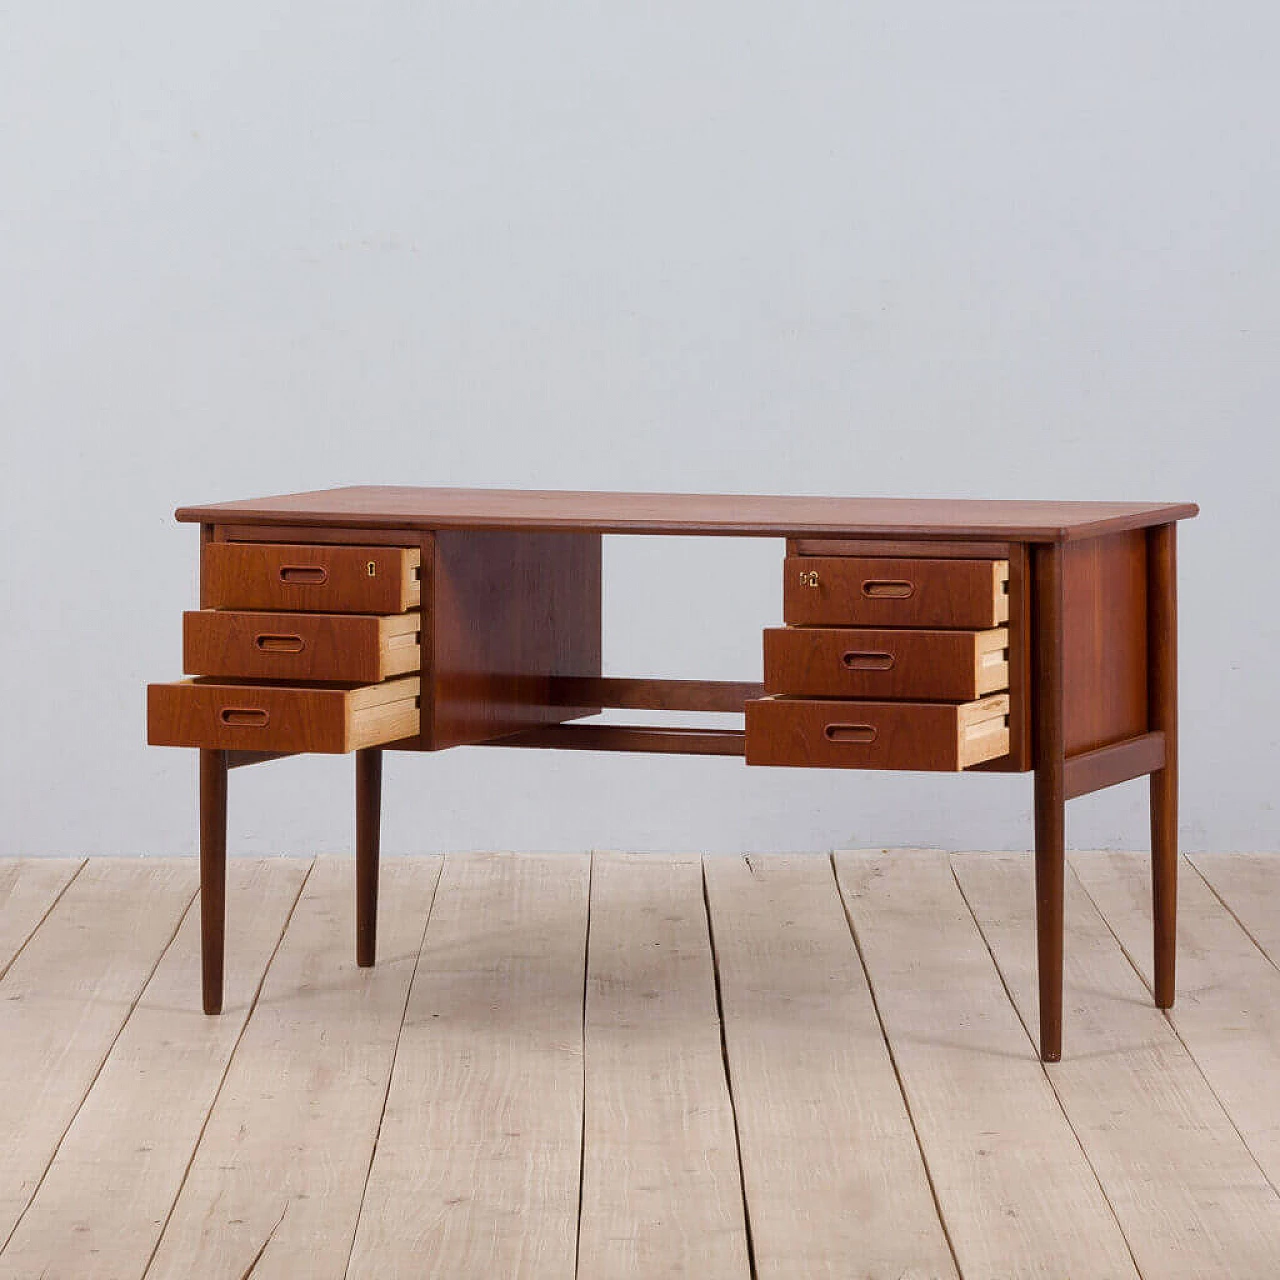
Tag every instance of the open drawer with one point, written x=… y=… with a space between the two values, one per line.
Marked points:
x=848 y=734
x=352 y=647
x=923 y=666
x=241 y=716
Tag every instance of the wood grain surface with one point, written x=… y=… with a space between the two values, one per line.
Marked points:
x=402 y=507
x=637 y=1070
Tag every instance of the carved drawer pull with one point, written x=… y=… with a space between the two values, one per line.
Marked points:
x=850 y=733
x=307 y=575
x=884 y=590
x=280 y=644
x=244 y=717
x=868 y=661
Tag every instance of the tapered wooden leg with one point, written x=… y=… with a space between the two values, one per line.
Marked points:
x=368 y=833
x=213 y=874
x=1050 y=792
x=1162 y=668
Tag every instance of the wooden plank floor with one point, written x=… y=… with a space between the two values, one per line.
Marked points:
x=620 y=1065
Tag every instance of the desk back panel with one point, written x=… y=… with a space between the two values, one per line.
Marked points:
x=504 y=613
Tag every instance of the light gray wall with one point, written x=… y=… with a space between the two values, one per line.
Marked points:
x=994 y=249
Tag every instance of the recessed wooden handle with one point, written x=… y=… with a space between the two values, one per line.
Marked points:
x=280 y=644
x=850 y=732
x=878 y=589
x=868 y=661
x=244 y=717
x=306 y=575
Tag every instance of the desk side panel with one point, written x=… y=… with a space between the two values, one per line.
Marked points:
x=1105 y=651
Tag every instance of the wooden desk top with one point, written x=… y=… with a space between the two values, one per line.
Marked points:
x=402 y=507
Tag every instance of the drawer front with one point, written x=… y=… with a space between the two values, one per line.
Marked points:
x=358 y=648
x=946 y=666
x=876 y=735
x=874 y=592
x=246 y=717
x=317 y=578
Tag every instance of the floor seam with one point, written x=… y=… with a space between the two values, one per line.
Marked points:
x=1231 y=912
x=124 y=1022
x=1231 y=1120
x=391 y=1070
x=48 y=911
x=893 y=1062
x=728 y=1070
x=1044 y=1067
x=231 y=1057
x=582 y=1144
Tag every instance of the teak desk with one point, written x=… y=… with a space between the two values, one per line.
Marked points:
x=920 y=634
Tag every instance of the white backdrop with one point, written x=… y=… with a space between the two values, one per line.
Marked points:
x=994 y=249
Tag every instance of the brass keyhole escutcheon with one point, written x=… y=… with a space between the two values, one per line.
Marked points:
x=372 y=568
x=809 y=579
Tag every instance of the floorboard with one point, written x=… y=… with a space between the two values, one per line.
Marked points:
x=1016 y=1193
x=476 y=1174
x=276 y=1181
x=1189 y=1197
x=64 y=1000
x=1227 y=1009
x=107 y=1194
x=661 y=1192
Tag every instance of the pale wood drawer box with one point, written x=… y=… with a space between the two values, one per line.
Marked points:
x=881 y=592
x=311 y=577
x=233 y=716
x=876 y=735
x=844 y=662
x=352 y=647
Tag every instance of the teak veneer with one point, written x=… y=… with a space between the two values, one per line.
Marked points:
x=920 y=634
